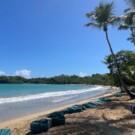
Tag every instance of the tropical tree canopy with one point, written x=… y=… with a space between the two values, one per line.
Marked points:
x=126 y=61
x=127 y=22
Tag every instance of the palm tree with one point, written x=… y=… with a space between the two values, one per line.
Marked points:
x=128 y=23
x=100 y=18
x=128 y=20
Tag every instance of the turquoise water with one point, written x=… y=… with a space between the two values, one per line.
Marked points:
x=22 y=99
x=11 y=90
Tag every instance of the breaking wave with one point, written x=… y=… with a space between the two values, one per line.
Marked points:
x=49 y=94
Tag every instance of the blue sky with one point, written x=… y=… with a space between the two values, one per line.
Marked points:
x=43 y=38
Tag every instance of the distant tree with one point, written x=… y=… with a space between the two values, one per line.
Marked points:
x=12 y=79
x=101 y=18
x=95 y=79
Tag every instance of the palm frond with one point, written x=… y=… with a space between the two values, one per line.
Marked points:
x=131 y=11
x=94 y=25
x=127 y=10
x=131 y=3
x=130 y=39
x=90 y=14
x=126 y=22
x=115 y=20
x=104 y=11
x=123 y=27
x=129 y=19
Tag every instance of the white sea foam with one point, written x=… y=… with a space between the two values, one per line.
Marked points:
x=47 y=95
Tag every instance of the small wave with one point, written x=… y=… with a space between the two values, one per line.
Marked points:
x=47 y=95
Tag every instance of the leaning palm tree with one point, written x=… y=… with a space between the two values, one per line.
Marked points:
x=100 y=18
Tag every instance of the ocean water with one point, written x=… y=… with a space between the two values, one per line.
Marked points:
x=22 y=99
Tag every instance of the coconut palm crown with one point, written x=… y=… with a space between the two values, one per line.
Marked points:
x=103 y=16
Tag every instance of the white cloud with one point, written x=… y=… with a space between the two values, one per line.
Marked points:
x=24 y=73
x=2 y=73
x=81 y=74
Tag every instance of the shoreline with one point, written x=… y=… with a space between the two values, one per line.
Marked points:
x=34 y=101
x=28 y=118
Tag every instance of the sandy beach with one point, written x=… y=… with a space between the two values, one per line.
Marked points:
x=112 y=118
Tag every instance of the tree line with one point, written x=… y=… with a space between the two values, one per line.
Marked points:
x=125 y=59
x=95 y=79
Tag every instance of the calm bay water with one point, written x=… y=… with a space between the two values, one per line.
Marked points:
x=22 y=99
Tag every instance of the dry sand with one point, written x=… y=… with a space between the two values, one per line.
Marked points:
x=113 y=118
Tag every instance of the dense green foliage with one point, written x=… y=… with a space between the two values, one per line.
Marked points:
x=12 y=79
x=126 y=61
x=95 y=79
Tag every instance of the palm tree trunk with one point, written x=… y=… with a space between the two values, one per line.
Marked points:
x=131 y=95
